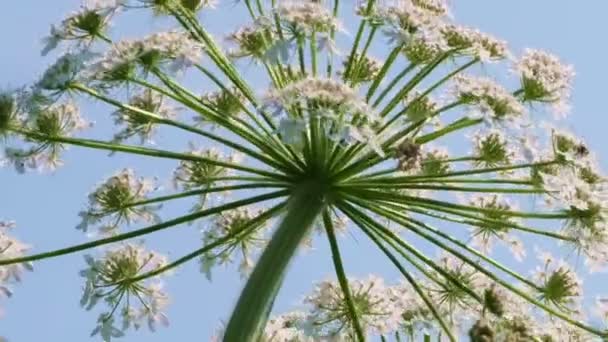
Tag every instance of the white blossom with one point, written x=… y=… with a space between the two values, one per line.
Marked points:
x=558 y=283
x=85 y=25
x=11 y=248
x=487 y=99
x=173 y=50
x=54 y=121
x=140 y=124
x=242 y=246
x=473 y=42
x=545 y=79
x=337 y=106
x=307 y=16
x=110 y=278
x=115 y=202
x=376 y=311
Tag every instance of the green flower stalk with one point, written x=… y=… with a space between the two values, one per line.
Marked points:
x=319 y=138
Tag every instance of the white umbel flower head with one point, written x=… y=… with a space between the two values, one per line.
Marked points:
x=558 y=283
x=46 y=123
x=307 y=16
x=545 y=78
x=487 y=99
x=139 y=124
x=336 y=105
x=110 y=278
x=329 y=312
x=241 y=246
x=288 y=327
x=470 y=41
x=11 y=248
x=172 y=50
x=114 y=203
x=85 y=25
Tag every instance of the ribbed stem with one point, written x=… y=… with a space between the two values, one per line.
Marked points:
x=255 y=302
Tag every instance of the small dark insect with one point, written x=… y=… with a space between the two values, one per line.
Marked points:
x=581 y=150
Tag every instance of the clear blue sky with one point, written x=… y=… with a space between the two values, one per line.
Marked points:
x=45 y=307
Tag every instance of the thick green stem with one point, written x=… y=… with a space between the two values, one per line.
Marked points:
x=253 y=307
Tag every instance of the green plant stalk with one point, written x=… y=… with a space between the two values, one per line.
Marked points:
x=183 y=126
x=368 y=42
x=479 y=221
x=248 y=133
x=413 y=200
x=428 y=91
x=207 y=190
x=255 y=302
x=501 y=282
x=313 y=53
x=393 y=83
x=427 y=70
x=395 y=215
x=147 y=230
x=470 y=250
x=410 y=279
x=522 y=182
x=389 y=235
x=453 y=127
x=380 y=185
x=332 y=34
x=383 y=71
x=341 y=275
x=353 y=50
x=301 y=60
x=108 y=146
x=472 y=172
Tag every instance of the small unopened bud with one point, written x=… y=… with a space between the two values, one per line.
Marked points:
x=492 y=302
x=408 y=155
x=481 y=331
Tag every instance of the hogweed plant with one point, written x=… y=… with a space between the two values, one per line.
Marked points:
x=343 y=138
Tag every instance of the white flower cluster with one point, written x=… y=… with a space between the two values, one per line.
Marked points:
x=115 y=202
x=241 y=246
x=288 y=327
x=85 y=25
x=487 y=99
x=343 y=114
x=252 y=40
x=475 y=43
x=46 y=123
x=10 y=248
x=228 y=102
x=495 y=224
x=67 y=69
x=142 y=125
x=190 y=175
x=384 y=310
x=330 y=315
x=305 y=17
x=174 y=49
x=109 y=278
x=575 y=185
x=559 y=284
x=424 y=28
x=545 y=79
x=452 y=300
x=491 y=149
